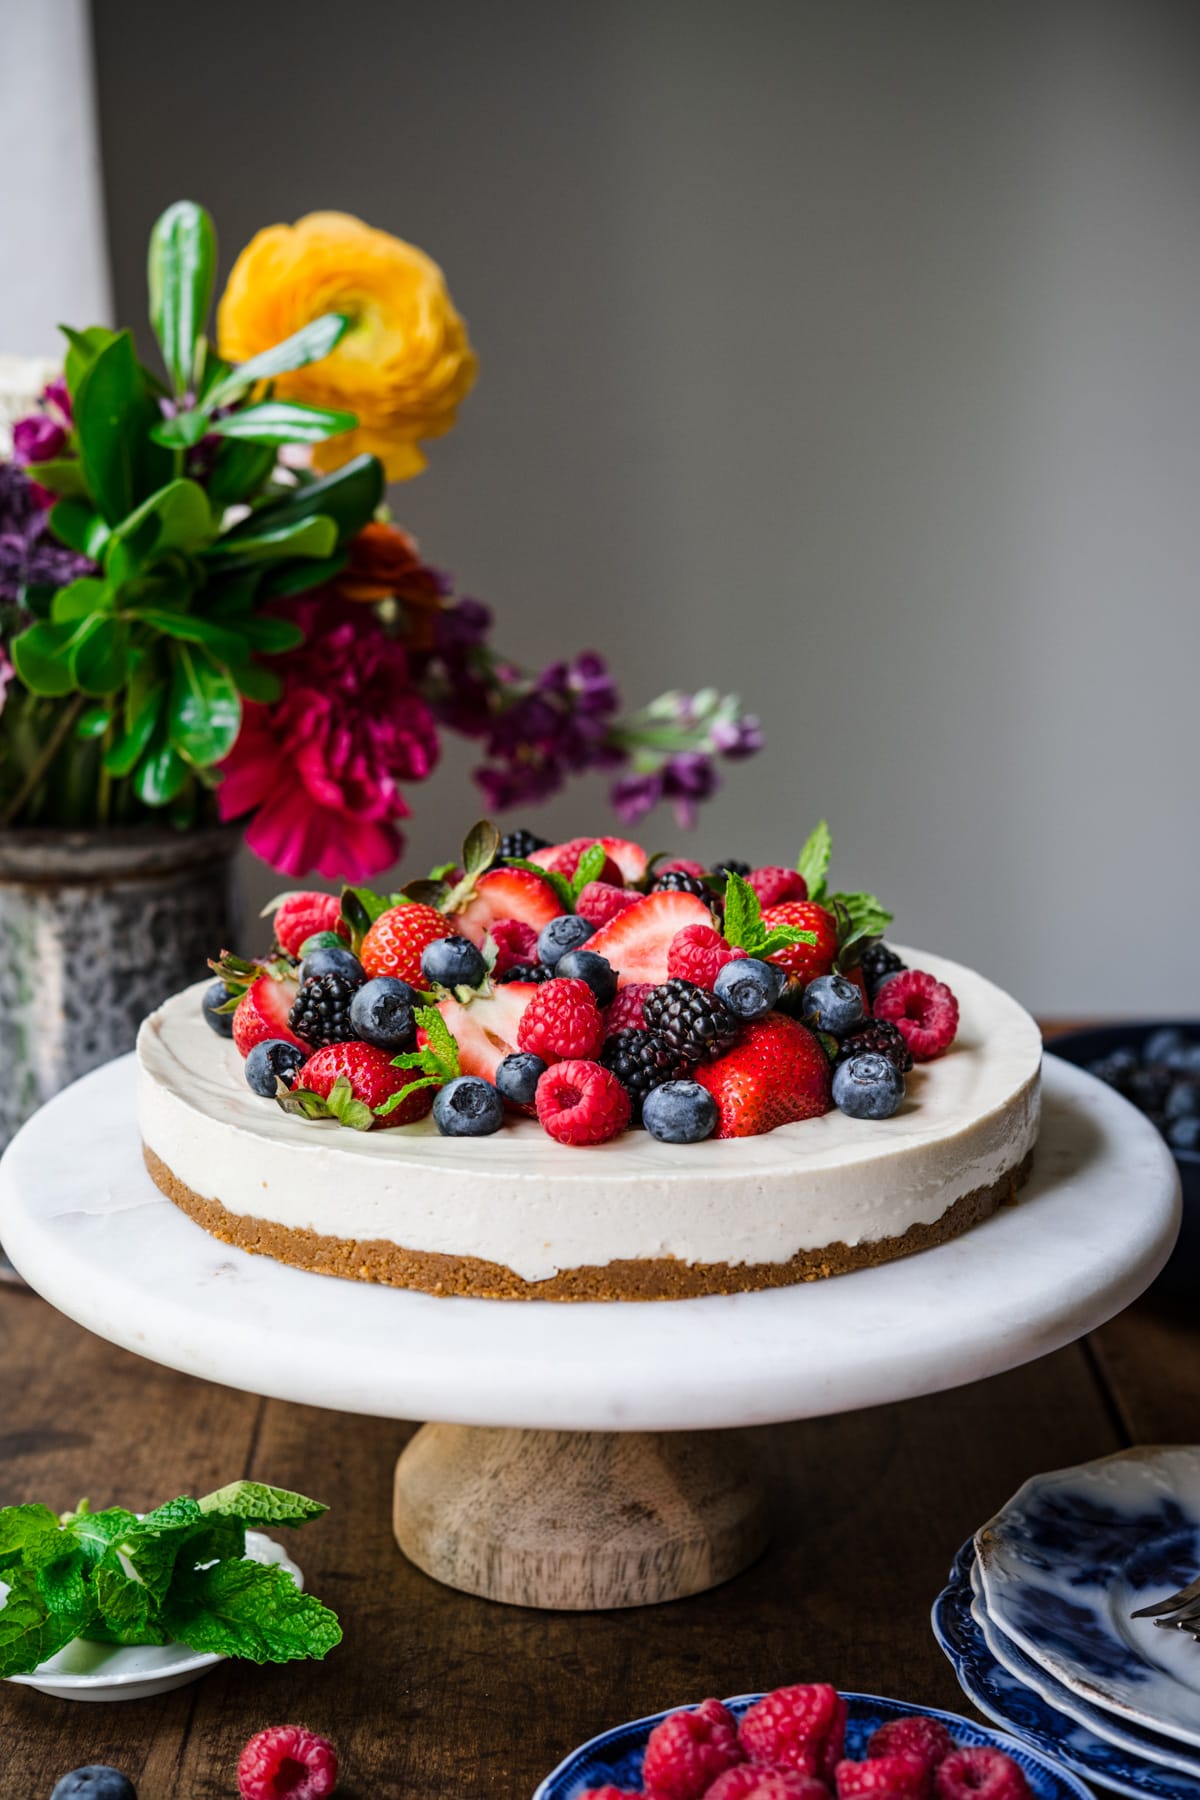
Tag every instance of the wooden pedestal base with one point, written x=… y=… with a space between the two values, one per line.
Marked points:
x=578 y=1520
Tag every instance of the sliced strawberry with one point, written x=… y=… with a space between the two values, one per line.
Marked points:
x=564 y=859
x=486 y=1029
x=507 y=894
x=638 y=941
x=262 y=1013
x=631 y=859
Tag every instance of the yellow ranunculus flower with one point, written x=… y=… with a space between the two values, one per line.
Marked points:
x=404 y=364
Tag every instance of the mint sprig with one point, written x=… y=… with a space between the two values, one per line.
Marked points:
x=813 y=860
x=178 y=1575
x=859 y=918
x=744 y=929
x=339 y=1104
x=437 y=1059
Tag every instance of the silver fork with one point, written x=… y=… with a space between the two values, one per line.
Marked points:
x=1180 y=1611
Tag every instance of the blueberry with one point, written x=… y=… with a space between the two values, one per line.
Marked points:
x=679 y=1112
x=95 y=1781
x=216 y=995
x=1162 y=1044
x=749 y=987
x=868 y=1087
x=274 y=1057
x=1183 y=1100
x=569 y=932
x=468 y=1106
x=1185 y=1060
x=452 y=962
x=381 y=1013
x=331 y=959
x=1184 y=1134
x=833 y=1004
x=596 y=970
x=518 y=1075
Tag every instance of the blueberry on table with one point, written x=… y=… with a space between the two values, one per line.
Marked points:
x=270 y=1061
x=1162 y=1044
x=679 y=1112
x=868 y=1087
x=214 y=996
x=452 y=962
x=748 y=987
x=569 y=932
x=468 y=1106
x=1184 y=1134
x=832 y=1004
x=331 y=959
x=589 y=966
x=518 y=1075
x=381 y=1013
x=95 y=1781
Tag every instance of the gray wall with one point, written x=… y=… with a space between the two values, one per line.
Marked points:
x=844 y=353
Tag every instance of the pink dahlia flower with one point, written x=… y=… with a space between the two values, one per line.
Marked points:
x=320 y=770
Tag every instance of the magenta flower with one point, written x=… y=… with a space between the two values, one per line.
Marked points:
x=38 y=439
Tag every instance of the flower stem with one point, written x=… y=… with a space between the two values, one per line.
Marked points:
x=67 y=720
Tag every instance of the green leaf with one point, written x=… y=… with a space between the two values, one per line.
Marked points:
x=813 y=861
x=587 y=869
x=81 y=599
x=258 y=1505
x=204 y=711
x=183 y=431
x=250 y=1610
x=349 y=497
x=283 y=422
x=84 y=347
x=360 y=909
x=281 y=580
x=308 y=345
x=100 y=657
x=190 y=628
x=94 y=723
x=437 y=1059
x=179 y=513
x=346 y=1109
x=744 y=929
x=300 y=537
x=94 y=1532
x=29 y=1632
x=63 y=475
x=479 y=848
x=29 y=1536
x=270 y=635
x=180 y=271
x=161 y=773
x=239 y=471
x=145 y=694
x=42 y=658
x=79 y=527
x=859 y=917
x=113 y=416
x=255 y=682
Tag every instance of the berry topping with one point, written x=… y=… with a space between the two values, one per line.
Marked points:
x=301 y=916
x=687 y=1751
x=696 y=1025
x=628 y=1009
x=564 y=859
x=750 y=1781
x=452 y=962
x=485 y=1029
x=517 y=1077
x=895 y=1777
x=679 y=1112
x=579 y=1102
x=468 y=1106
x=395 y=941
x=749 y=987
x=638 y=941
x=216 y=995
x=521 y=844
x=287 y=1762
x=732 y=865
x=568 y=932
x=776 y=1075
x=610 y=1793
x=877 y=961
x=597 y=971
x=599 y=902
x=774 y=885
x=516 y=943
x=271 y=1061
x=800 y=1727
x=698 y=954
x=640 y=1060
x=676 y=880
x=94 y=1781
x=804 y=961
x=381 y=1013
x=330 y=959
x=878 y=1037
x=371 y=1077
x=923 y=1009
x=506 y=894
x=525 y=972
x=561 y=1022
x=926 y=1738
x=867 y=1087
x=262 y=1012
x=832 y=1003
x=684 y=863
x=980 y=1774
x=321 y=1014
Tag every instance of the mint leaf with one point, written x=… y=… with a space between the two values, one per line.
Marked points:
x=251 y=1610
x=355 y=1114
x=361 y=907
x=29 y=1537
x=437 y=1059
x=63 y=1583
x=29 y=1631
x=744 y=929
x=479 y=849
x=813 y=860
x=587 y=869
x=552 y=878
x=94 y=1532
x=859 y=916
x=256 y=1504
x=302 y=1103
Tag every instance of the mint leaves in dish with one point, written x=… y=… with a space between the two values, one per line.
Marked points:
x=178 y=1575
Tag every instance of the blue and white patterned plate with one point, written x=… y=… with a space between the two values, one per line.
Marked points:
x=1126 y=1736
x=1010 y=1703
x=1075 y=1553
x=615 y=1757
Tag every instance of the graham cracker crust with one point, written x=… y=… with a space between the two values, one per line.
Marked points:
x=654 y=1278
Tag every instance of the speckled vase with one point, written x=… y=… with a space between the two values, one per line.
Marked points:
x=96 y=928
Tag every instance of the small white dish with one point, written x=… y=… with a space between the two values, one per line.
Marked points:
x=82 y=1670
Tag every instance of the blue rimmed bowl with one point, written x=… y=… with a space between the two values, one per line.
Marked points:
x=615 y=1757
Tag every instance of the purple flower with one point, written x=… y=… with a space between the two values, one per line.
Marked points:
x=740 y=737
x=6 y=674
x=636 y=795
x=29 y=557
x=38 y=439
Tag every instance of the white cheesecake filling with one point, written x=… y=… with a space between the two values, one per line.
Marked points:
x=537 y=1207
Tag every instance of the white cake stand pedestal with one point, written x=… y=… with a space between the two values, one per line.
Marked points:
x=584 y=1456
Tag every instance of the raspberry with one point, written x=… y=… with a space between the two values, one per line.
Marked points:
x=698 y=954
x=300 y=916
x=580 y=1103
x=927 y=1738
x=924 y=1010
x=687 y=1752
x=371 y=1076
x=774 y=885
x=750 y=1781
x=626 y=1011
x=980 y=1775
x=884 y=1778
x=878 y=1037
x=395 y=941
x=516 y=944
x=600 y=901
x=287 y=1762
x=561 y=1021
x=800 y=1727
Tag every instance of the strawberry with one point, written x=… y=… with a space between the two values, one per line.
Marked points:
x=774 y=885
x=638 y=941
x=776 y=1074
x=395 y=941
x=631 y=859
x=804 y=961
x=262 y=1013
x=372 y=1080
x=486 y=1029
x=600 y=901
x=564 y=859
x=507 y=894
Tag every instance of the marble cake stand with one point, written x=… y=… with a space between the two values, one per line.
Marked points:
x=584 y=1457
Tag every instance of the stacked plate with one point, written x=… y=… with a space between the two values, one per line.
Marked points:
x=1038 y=1620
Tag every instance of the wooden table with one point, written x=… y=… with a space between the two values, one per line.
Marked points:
x=436 y=1696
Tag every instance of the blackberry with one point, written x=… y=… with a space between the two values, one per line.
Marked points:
x=694 y=1022
x=877 y=962
x=732 y=866
x=877 y=1037
x=520 y=844
x=678 y=881
x=640 y=1060
x=321 y=1012
x=527 y=972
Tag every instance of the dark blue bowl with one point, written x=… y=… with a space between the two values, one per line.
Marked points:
x=1084 y=1047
